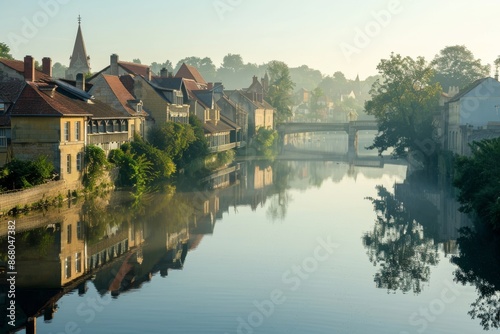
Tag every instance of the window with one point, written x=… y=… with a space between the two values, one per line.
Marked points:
x=66 y=131
x=69 y=233
x=67 y=266
x=78 y=262
x=102 y=127
x=116 y=126
x=3 y=138
x=89 y=127
x=68 y=163
x=79 y=158
x=77 y=130
x=139 y=107
x=109 y=126
x=2 y=106
x=79 y=230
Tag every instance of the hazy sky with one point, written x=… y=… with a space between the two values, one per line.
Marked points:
x=349 y=35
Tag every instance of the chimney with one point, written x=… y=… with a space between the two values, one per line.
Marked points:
x=148 y=74
x=254 y=79
x=164 y=73
x=113 y=68
x=29 y=68
x=80 y=81
x=210 y=85
x=47 y=66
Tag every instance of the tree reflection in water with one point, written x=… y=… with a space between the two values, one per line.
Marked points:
x=479 y=265
x=399 y=246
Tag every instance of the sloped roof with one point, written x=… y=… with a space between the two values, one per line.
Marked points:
x=18 y=66
x=128 y=82
x=120 y=92
x=232 y=124
x=35 y=102
x=468 y=89
x=171 y=83
x=190 y=72
x=131 y=68
x=205 y=96
x=211 y=127
x=134 y=68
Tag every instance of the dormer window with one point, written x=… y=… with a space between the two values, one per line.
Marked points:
x=135 y=105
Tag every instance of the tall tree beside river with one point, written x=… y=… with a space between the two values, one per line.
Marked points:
x=280 y=90
x=403 y=102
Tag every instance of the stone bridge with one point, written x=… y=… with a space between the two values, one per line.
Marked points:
x=351 y=128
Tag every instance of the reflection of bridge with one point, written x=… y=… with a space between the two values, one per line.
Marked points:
x=351 y=128
x=309 y=155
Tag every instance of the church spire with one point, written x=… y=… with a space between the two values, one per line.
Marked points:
x=79 y=61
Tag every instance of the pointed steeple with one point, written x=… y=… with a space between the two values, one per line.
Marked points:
x=79 y=61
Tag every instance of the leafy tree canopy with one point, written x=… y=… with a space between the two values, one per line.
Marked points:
x=280 y=90
x=403 y=102
x=456 y=66
x=5 y=51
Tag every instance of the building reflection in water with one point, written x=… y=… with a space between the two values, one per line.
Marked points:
x=107 y=242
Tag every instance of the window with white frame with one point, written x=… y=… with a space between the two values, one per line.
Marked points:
x=67 y=266
x=78 y=262
x=77 y=130
x=79 y=160
x=68 y=163
x=66 y=131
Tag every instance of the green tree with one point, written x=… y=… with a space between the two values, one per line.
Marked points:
x=194 y=156
x=162 y=163
x=314 y=105
x=20 y=174
x=403 y=102
x=478 y=180
x=280 y=90
x=95 y=163
x=264 y=142
x=157 y=67
x=172 y=138
x=204 y=65
x=59 y=70
x=5 y=51
x=456 y=66
x=305 y=77
x=136 y=60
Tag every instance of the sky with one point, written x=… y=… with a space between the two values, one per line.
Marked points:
x=329 y=35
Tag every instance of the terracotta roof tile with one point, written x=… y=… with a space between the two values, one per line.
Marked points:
x=37 y=99
x=121 y=93
x=18 y=66
x=190 y=72
x=134 y=68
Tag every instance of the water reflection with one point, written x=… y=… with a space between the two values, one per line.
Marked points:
x=478 y=265
x=411 y=226
x=111 y=245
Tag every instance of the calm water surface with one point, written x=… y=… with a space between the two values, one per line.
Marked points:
x=286 y=247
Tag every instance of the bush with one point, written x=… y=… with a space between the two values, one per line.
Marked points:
x=19 y=174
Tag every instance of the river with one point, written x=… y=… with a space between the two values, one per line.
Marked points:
x=282 y=247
